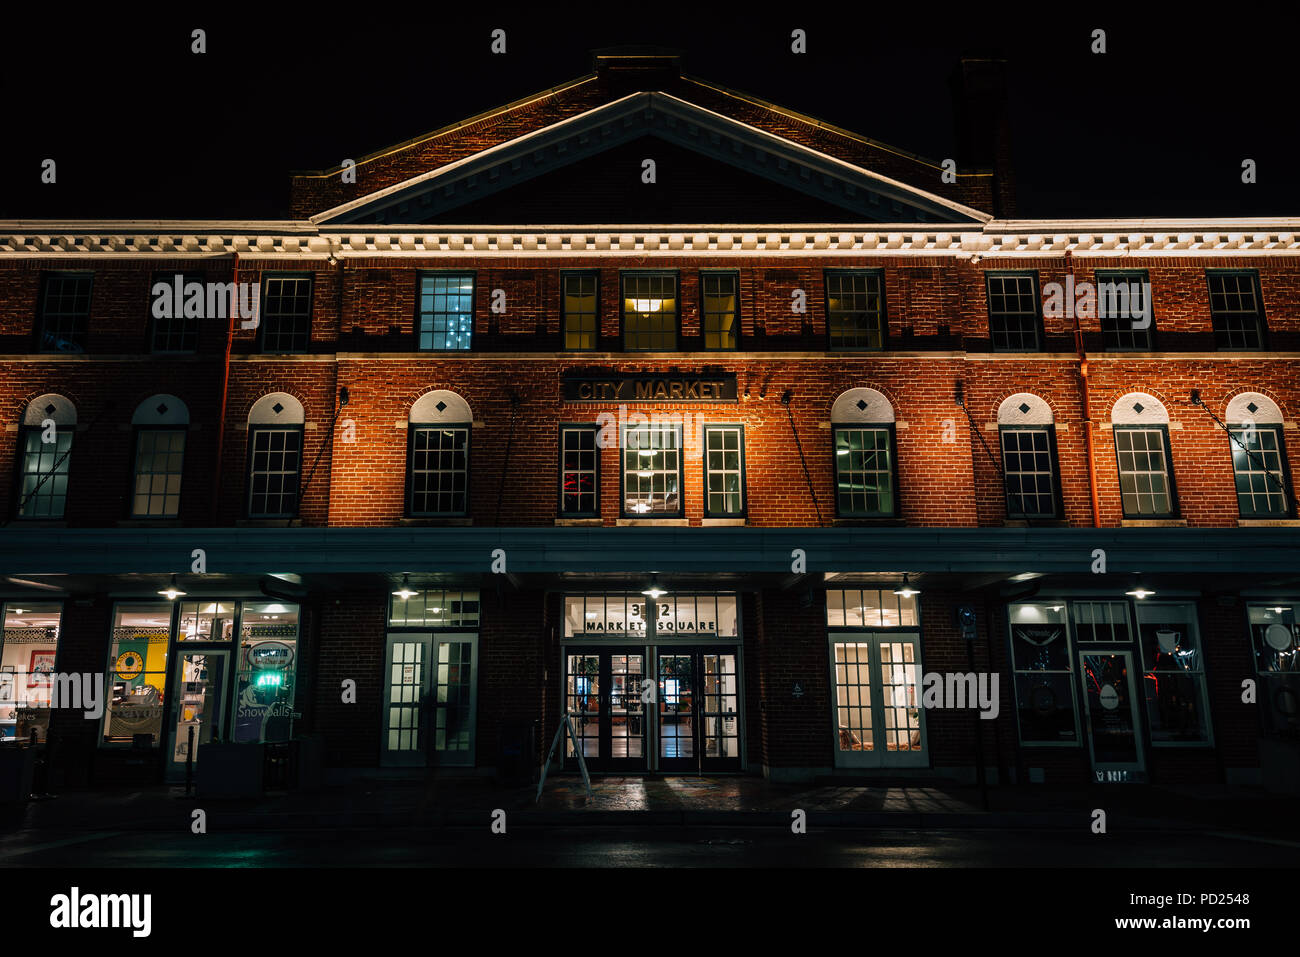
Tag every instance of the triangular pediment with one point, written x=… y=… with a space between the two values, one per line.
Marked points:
x=480 y=183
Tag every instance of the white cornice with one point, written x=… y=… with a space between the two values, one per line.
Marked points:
x=1022 y=239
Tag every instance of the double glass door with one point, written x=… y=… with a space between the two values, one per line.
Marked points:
x=686 y=719
x=429 y=700
x=879 y=721
x=202 y=704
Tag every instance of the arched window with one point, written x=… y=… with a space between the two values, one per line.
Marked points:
x=44 y=450
x=275 y=424
x=437 y=477
x=1029 y=464
x=160 y=422
x=1259 y=465
x=866 y=468
x=1146 y=481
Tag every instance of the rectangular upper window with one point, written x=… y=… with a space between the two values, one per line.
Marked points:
x=579 y=471
x=649 y=312
x=1123 y=309
x=174 y=331
x=578 y=294
x=1029 y=467
x=286 y=312
x=855 y=309
x=438 y=473
x=1145 y=483
x=65 y=311
x=446 y=319
x=43 y=472
x=724 y=471
x=652 y=471
x=1259 y=470
x=274 y=464
x=864 y=472
x=721 y=310
x=1236 y=311
x=1015 y=313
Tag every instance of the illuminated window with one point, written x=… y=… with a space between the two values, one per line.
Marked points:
x=28 y=653
x=1259 y=470
x=1043 y=669
x=137 y=671
x=724 y=471
x=652 y=471
x=649 y=312
x=864 y=471
x=579 y=471
x=579 y=297
x=446 y=320
x=721 y=319
x=855 y=309
x=1174 y=674
x=1145 y=486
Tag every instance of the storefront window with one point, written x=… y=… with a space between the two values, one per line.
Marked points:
x=27 y=656
x=207 y=621
x=268 y=664
x=1101 y=621
x=435 y=608
x=1044 y=674
x=1173 y=674
x=1275 y=641
x=137 y=671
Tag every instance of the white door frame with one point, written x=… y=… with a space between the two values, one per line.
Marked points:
x=1137 y=767
x=878 y=756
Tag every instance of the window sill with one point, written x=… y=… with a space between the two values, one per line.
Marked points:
x=1035 y=523
x=265 y=522
x=1268 y=522
x=37 y=523
x=722 y=522
x=435 y=522
x=149 y=523
x=1153 y=523
x=591 y=521
x=661 y=522
x=871 y=522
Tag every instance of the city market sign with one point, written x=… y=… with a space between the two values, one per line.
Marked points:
x=720 y=387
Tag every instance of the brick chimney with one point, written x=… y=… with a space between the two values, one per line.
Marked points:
x=979 y=97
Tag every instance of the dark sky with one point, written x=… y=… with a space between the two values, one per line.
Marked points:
x=141 y=128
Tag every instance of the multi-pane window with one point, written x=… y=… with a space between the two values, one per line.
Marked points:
x=159 y=456
x=274 y=461
x=652 y=471
x=1014 y=311
x=446 y=319
x=579 y=294
x=1173 y=674
x=1258 y=467
x=439 y=470
x=579 y=471
x=724 y=471
x=1043 y=670
x=1235 y=309
x=1029 y=465
x=649 y=312
x=286 y=313
x=174 y=331
x=855 y=311
x=721 y=313
x=864 y=471
x=43 y=472
x=1146 y=488
x=1123 y=308
x=65 y=312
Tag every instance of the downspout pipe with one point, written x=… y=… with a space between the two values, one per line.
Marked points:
x=1083 y=398
x=225 y=394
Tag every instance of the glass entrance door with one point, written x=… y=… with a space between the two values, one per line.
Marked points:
x=1110 y=709
x=878 y=718
x=698 y=710
x=201 y=706
x=429 y=700
x=603 y=697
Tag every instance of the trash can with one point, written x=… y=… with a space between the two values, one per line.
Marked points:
x=517 y=754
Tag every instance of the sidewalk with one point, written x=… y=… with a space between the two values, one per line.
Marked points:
x=677 y=800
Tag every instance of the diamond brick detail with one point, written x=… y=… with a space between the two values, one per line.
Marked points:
x=162 y=408
x=441 y=406
x=49 y=409
x=862 y=405
x=277 y=408
x=1024 y=407
x=1137 y=407
x=1252 y=408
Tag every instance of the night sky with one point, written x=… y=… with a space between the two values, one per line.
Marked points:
x=141 y=128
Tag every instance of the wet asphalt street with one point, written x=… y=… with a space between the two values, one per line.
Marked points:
x=597 y=846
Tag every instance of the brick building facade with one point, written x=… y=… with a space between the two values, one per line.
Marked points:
x=730 y=466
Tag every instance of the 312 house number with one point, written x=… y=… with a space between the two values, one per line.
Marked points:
x=638 y=610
